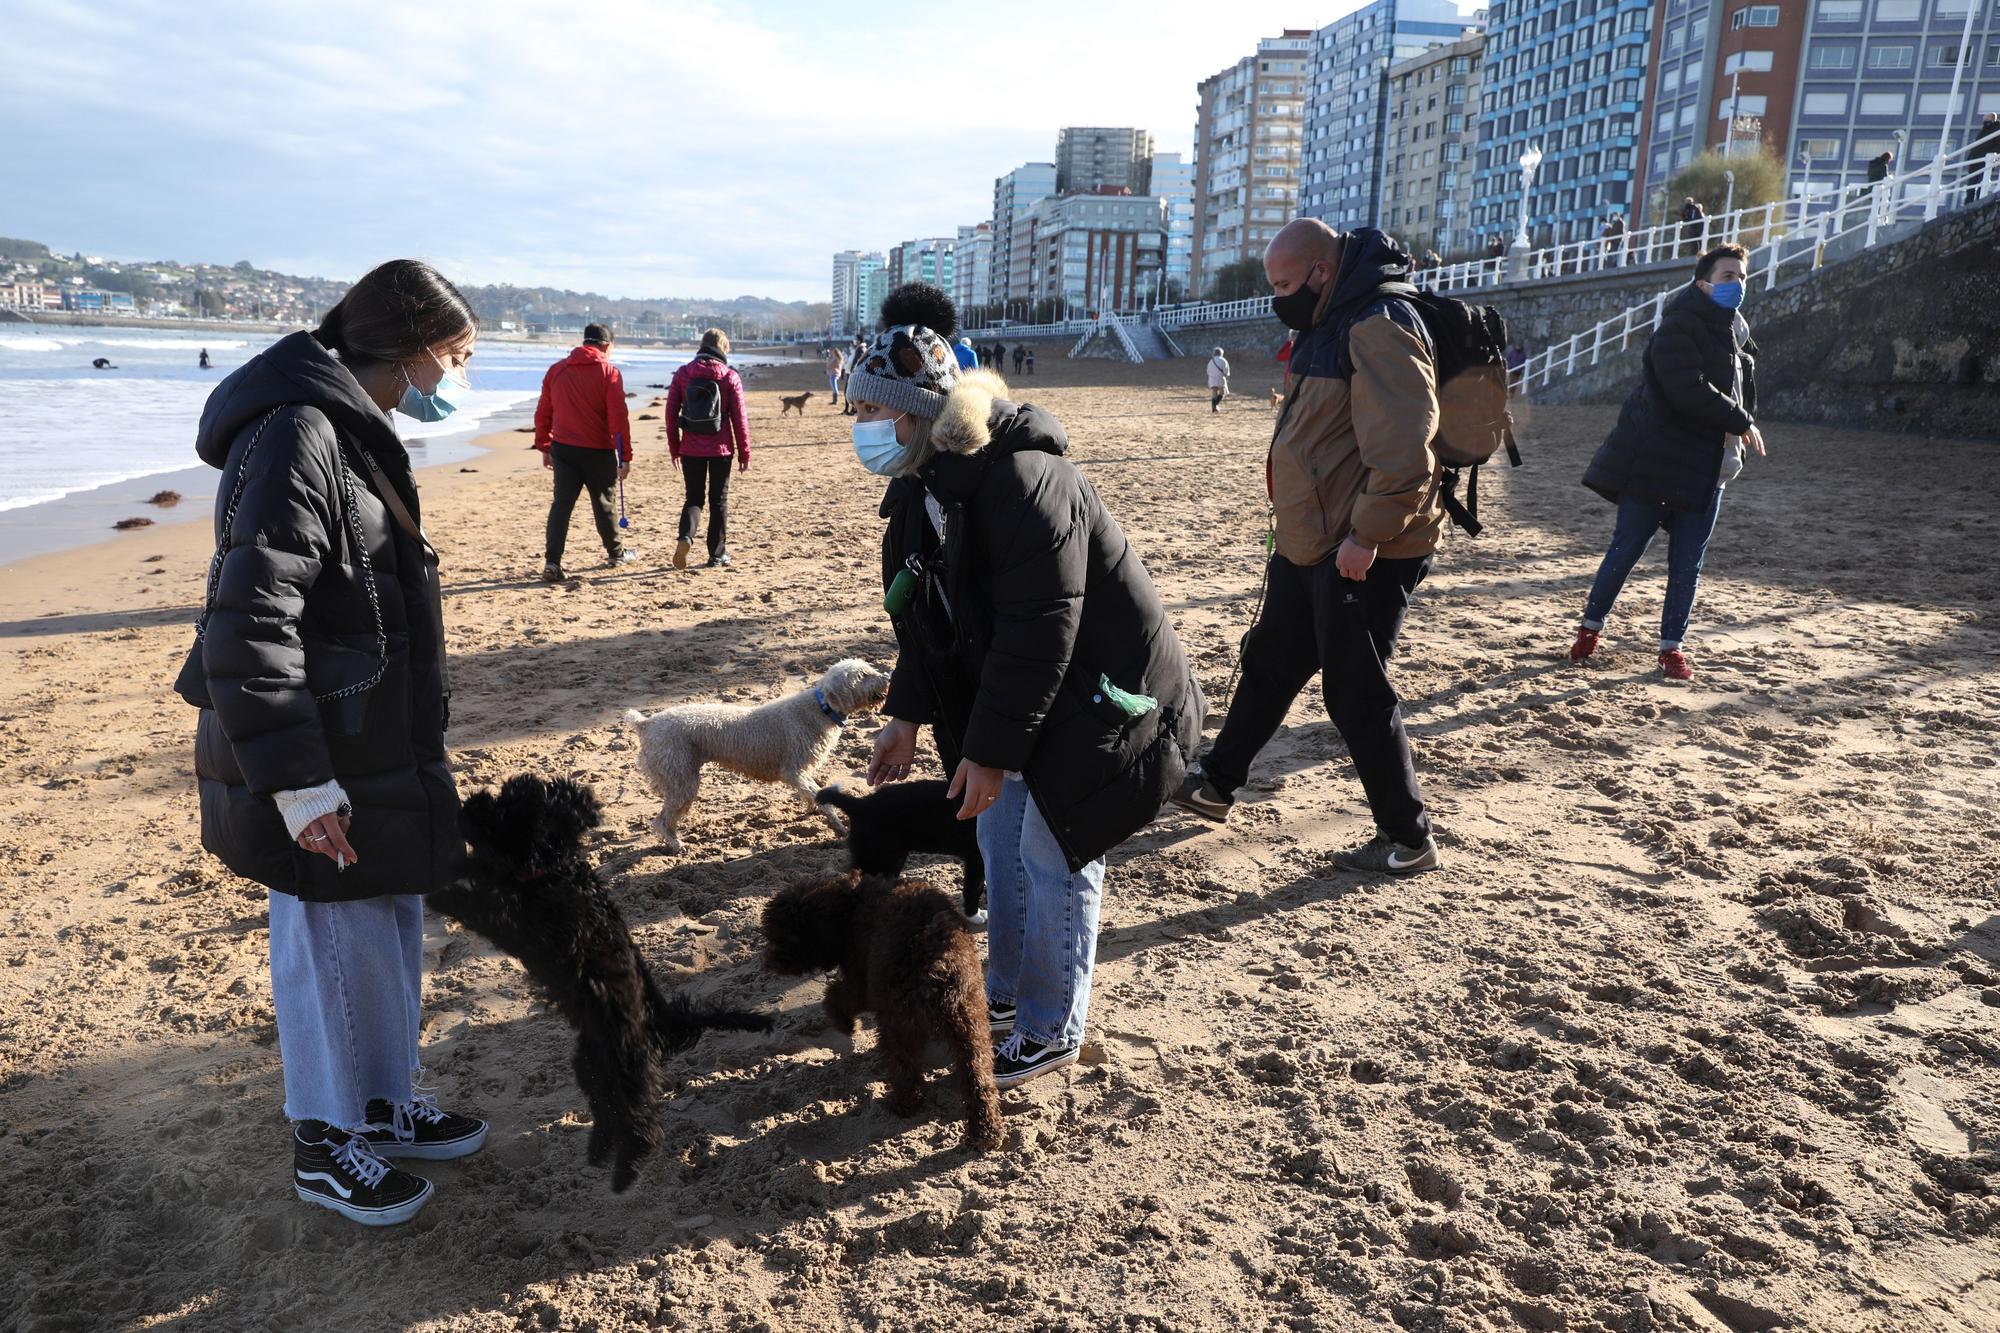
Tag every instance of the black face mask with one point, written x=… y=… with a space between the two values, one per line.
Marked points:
x=1295 y=311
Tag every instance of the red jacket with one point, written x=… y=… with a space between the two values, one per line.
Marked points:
x=734 y=423
x=583 y=405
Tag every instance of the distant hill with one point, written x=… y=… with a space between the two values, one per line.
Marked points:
x=241 y=290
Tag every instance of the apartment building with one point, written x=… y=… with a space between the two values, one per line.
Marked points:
x=972 y=268
x=1249 y=130
x=1173 y=181
x=1096 y=251
x=1567 y=77
x=1348 y=103
x=1013 y=195
x=1090 y=158
x=1432 y=142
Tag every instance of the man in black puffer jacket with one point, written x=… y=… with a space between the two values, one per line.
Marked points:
x=1679 y=440
x=1033 y=643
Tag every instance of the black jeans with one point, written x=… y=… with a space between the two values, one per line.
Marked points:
x=595 y=470
x=1316 y=620
x=709 y=478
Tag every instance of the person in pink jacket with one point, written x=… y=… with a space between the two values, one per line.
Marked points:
x=705 y=427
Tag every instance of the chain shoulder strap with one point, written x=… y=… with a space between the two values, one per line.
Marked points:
x=350 y=519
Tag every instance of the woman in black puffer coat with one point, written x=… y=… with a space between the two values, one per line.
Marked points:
x=1032 y=641
x=320 y=674
x=1679 y=440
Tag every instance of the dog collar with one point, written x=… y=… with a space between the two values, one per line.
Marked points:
x=819 y=697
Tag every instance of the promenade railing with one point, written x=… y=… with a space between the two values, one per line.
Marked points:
x=1850 y=226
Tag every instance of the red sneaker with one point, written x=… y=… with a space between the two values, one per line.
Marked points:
x=1674 y=665
x=1585 y=645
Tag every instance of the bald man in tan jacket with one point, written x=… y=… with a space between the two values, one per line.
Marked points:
x=1354 y=490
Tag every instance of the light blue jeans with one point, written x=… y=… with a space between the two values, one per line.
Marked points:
x=347 y=980
x=1041 y=920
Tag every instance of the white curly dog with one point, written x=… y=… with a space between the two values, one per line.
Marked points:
x=784 y=741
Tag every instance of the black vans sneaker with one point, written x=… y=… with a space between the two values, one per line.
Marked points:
x=339 y=1170
x=1197 y=795
x=418 y=1128
x=1000 y=1018
x=1016 y=1062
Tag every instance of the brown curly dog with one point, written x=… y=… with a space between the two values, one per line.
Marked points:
x=905 y=956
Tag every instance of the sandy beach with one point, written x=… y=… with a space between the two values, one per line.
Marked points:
x=1694 y=1031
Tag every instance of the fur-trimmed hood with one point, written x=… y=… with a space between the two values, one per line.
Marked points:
x=966 y=424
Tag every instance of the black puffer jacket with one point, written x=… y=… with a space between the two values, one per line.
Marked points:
x=1698 y=385
x=323 y=653
x=1046 y=599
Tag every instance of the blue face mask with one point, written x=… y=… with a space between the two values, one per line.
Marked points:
x=876 y=445
x=1728 y=295
x=436 y=405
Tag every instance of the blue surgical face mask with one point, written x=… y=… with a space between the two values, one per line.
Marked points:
x=436 y=405
x=876 y=445
x=1728 y=295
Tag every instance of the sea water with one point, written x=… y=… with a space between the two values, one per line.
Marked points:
x=75 y=439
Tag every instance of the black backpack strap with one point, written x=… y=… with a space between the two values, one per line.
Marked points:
x=1466 y=514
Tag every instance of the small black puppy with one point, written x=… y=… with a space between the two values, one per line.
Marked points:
x=888 y=825
x=530 y=889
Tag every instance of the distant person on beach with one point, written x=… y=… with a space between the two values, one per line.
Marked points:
x=1353 y=483
x=1693 y=222
x=1028 y=367
x=585 y=438
x=1032 y=642
x=1020 y=356
x=1218 y=380
x=836 y=366
x=319 y=671
x=706 y=427
x=203 y=360
x=1878 y=166
x=962 y=352
x=1679 y=441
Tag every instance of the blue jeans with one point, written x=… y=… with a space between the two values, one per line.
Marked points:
x=1688 y=532
x=347 y=981
x=1041 y=920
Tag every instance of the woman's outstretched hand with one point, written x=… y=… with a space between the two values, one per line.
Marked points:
x=980 y=784
x=895 y=752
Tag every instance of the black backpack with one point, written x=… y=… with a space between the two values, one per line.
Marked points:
x=701 y=407
x=1469 y=351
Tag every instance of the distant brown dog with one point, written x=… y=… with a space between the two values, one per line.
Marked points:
x=1277 y=397
x=793 y=402
x=905 y=956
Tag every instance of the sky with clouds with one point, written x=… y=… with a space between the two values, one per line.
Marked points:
x=632 y=147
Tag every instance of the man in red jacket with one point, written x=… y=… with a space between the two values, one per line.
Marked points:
x=586 y=439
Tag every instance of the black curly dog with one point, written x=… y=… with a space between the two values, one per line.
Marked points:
x=530 y=889
x=890 y=823
x=904 y=955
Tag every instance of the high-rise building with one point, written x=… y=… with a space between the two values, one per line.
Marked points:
x=875 y=286
x=1095 y=251
x=1567 y=78
x=972 y=272
x=846 y=295
x=1013 y=195
x=1721 y=78
x=1433 y=137
x=1090 y=158
x=928 y=259
x=1872 y=70
x=1247 y=133
x=1347 y=103
x=1173 y=181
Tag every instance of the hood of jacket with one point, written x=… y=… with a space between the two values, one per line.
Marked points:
x=977 y=421
x=1368 y=261
x=707 y=366
x=585 y=354
x=294 y=371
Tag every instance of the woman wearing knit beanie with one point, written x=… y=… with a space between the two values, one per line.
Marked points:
x=1032 y=642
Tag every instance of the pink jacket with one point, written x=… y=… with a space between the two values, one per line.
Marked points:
x=735 y=423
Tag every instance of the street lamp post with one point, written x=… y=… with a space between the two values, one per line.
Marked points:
x=1531 y=157
x=1729 y=205
x=1805 y=187
x=1950 y=112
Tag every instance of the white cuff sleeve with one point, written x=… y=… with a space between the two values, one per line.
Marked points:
x=300 y=808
